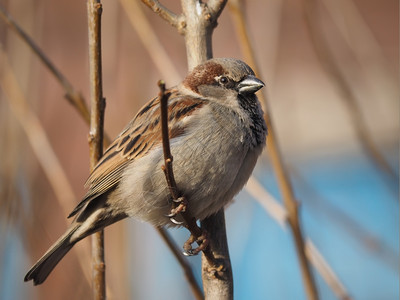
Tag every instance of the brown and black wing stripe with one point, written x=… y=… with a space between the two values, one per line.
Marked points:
x=136 y=140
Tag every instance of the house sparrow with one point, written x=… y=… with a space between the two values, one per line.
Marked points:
x=216 y=131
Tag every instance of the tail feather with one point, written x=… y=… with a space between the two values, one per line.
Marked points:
x=39 y=272
x=93 y=217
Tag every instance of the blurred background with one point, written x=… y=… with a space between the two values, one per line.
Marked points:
x=327 y=75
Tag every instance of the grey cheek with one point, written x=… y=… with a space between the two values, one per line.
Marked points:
x=212 y=91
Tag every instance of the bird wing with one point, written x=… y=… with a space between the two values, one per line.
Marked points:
x=141 y=135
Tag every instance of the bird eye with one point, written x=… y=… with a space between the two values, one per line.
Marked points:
x=223 y=79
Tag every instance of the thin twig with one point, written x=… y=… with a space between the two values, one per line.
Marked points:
x=169 y=173
x=73 y=97
x=163 y=12
x=94 y=9
x=274 y=152
x=196 y=290
x=331 y=67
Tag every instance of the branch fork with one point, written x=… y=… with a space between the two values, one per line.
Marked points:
x=210 y=11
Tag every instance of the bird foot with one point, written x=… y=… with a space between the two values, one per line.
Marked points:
x=202 y=241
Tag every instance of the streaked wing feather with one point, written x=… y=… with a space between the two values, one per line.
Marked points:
x=136 y=140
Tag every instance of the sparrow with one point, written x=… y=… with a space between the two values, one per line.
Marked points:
x=216 y=131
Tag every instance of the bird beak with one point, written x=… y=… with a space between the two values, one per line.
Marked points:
x=249 y=85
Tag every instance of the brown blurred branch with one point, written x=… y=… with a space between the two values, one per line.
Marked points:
x=75 y=98
x=326 y=271
x=279 y=214
x=275 y=155
x=151 y=42
x=331 y=67
x=372 y=243
x=97 y=101
x=42 y=148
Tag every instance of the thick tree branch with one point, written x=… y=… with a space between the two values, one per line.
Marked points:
x=198 y=34
x=200 y=24
x=96 y=134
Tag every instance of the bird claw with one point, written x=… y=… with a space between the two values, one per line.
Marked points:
x=202 y=241
x=180 y=200
x=175 y=221
x=177 y=210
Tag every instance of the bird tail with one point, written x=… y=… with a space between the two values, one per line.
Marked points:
x=39 y=272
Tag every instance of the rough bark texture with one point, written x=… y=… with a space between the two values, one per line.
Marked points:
x=200 y=21
x=96 y=135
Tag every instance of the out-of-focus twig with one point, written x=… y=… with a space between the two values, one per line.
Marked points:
x=75 y=98
x=366 y=49
x=331 y=67
x=279 y=214
x=37 y=136
x=41 y=147
x=97 y=101
x=270 y=204
x=372 y=243
x=197 y=292
x=325 y=271
x=283 y=179
x=150 y=40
